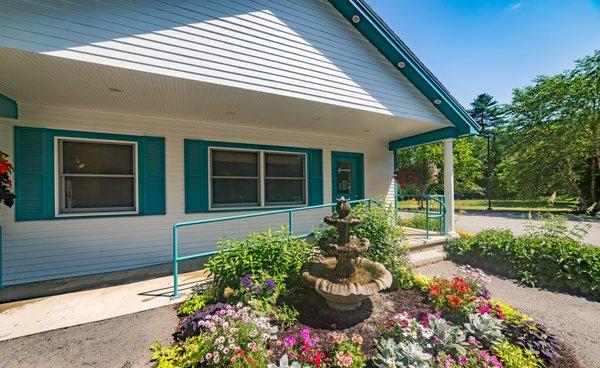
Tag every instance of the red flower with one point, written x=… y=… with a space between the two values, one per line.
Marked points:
x=460 y=285
x=4 y=167
x=454 y=301
x=435 y=290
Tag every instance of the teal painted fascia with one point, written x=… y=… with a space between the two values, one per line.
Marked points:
x=8 y=108
x=361 y=170
x=374 y=29
x=424 y=138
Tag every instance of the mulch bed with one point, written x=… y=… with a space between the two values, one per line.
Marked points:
x=369 y=320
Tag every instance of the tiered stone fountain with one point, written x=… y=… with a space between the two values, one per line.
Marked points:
x=345 y=279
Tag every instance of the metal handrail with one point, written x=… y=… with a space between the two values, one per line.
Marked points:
x=441 y=214
x=290 y=212
x=429 y=213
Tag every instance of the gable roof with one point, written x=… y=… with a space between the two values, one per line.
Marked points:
x=378 y=33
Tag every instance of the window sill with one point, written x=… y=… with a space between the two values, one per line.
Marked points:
x=95 y=214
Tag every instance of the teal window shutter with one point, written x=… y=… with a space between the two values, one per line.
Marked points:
x=196 y=176
x=33 y=177
x=152 y=183
x=315 y=177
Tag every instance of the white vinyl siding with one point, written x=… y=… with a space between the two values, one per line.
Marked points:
x=302 y=49
x=40 y=250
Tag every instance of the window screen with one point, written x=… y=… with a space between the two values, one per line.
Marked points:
x=96 y=177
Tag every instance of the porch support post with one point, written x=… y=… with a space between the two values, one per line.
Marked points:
x=449 y=185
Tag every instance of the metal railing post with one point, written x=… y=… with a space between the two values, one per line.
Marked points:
x=290 y=223
x=175 y=266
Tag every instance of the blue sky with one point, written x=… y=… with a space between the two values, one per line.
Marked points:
x=494 y=46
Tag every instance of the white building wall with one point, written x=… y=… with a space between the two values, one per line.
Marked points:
x=303 y=49
x=38 y=250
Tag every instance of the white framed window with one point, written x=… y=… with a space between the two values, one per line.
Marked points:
x=244 y=178
x=95 y=177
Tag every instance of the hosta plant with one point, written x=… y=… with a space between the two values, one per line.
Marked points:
x=484 y=327
x=401 y=355
x=474 y=358
x=446 y=337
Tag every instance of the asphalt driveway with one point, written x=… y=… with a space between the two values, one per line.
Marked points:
x=516 y=222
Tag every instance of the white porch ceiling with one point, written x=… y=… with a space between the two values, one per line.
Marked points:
x=42 y=79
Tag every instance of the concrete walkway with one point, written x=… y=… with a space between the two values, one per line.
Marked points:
x=72 y=309
x=573 y=319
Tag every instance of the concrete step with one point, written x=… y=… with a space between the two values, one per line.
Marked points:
x=426 y=257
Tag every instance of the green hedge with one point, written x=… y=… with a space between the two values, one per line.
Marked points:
x=559 y=262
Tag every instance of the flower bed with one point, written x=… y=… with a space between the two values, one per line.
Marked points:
x=555 y=261
x=257 y=315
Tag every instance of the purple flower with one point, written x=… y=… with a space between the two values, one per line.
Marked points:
x=257 y=290
x=463 y=360
x=270 y=283
x=246 y=281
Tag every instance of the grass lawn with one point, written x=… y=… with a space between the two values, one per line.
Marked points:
x=516 y=205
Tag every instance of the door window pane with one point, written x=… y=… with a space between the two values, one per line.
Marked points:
x=234 y=163
x=235 y=192
x=344 y=177
x=284 y=165
x=97 y=158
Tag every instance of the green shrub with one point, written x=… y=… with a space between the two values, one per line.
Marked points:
x=556 y=261
x=419 y=221
x=275 y=253
x=199 y=299
x=379 y=226
x=513 y=356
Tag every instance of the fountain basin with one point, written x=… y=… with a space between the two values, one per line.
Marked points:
x=370 y=278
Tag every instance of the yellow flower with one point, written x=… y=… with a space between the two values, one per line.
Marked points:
x=228 y=292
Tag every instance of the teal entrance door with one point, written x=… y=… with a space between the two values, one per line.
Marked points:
x=347 y=175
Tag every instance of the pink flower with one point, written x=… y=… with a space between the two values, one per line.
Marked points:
x=357 y=339
x=484 y=308
x=473 y=341
x=290 y=341
x=463 y=360
x=344 y=359
x=337 y=337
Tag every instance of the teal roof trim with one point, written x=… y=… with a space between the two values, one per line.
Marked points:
x=424 y=138
x=374 y=29
x=8 y=108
